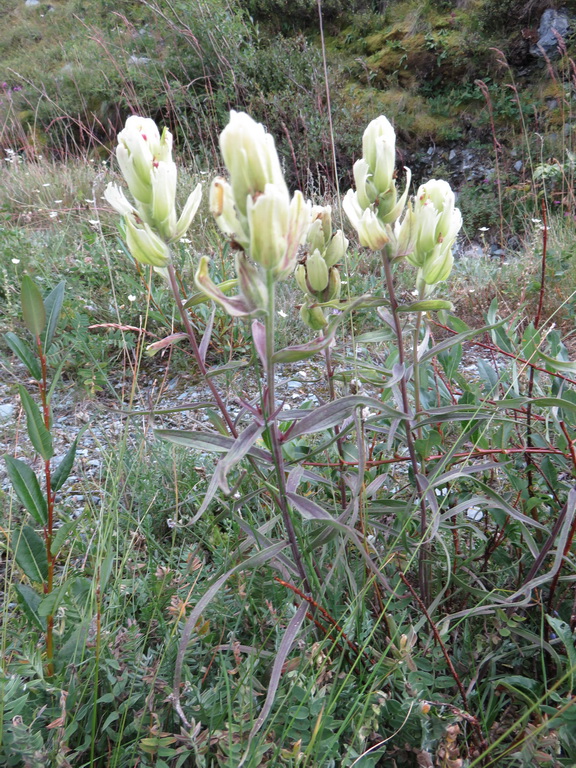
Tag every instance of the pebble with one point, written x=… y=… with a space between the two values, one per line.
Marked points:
x=7 y=411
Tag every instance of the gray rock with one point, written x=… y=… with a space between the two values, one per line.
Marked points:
x=31 y=3
x=551 y=103
x=518 y=165
x=453 y=156
x=6 y=412
x=473 y=251
x=552 y=24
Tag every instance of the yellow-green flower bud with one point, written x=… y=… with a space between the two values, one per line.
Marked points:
x=334 y=285
x=251 y=159
x=313 y=317
x=223 y=209
x=372 y=233
x=317 y=272
x=251 y=284
x=144 y=244
x=315 y=237
x=336 y=249
x=379 y=151
x=268 y=216
x=300 y=275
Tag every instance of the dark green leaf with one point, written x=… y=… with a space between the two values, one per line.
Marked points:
x=33 y=311
x=53 y=306
x=30 y=554
x=29 y=599
x=62 y=471
x=24 y=354
x=27 y=488
x=40 y=438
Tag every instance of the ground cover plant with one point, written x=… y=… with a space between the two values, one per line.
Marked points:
x=321 y=507
x=380 y=579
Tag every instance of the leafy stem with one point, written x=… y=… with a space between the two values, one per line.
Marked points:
x=423 y=553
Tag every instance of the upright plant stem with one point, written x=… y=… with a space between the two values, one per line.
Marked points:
x=416 y=365
x=48 y=531
x=270 y=404
x=196 y=349
x=339 y=444
x=423 y=553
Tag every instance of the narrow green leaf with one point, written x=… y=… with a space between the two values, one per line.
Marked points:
x=559 y=366
x=24 y=354
x=40 y=438
x=201 y=298
x=429 y=305
x=29 y=599
x=50 y=603
x=27 y=488
x=30 y=554
x=56 y=378
x=53 y=307
x=63 y=469
x=33 y=310
x=61 y=535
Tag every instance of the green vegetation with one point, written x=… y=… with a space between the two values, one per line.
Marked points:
x=370 y=681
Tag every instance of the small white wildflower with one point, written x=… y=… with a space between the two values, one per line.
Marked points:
x=46 y=185
x=53 y=214
x=343 y=282
x=483 y=229
x=57 y=201
x=15 y=261
x=536 y=221
x=87 y=200
x=282 y=313
x=94 y=222
x=441 y=491
x=131 y=297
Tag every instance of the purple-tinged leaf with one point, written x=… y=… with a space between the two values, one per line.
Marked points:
x=288 y=639
x=457 y=339
x=157 y=346
x=309 y=509
x=226 y=368
x=236 y=306
x=259 y=338
x=304 y=351
x=201 y=298
x=336 y=412
x=208 y=441
x=239 y=449
x=252 y=562
x=207 y=336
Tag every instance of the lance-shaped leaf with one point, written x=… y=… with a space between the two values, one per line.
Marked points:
x=168 y=341
x=53 y=307
x=336 y=412
x=207 y=441
x=457 y=339
x=288 y=640
x=239 y=449
x=40 y=438
x=30 y=554
x=304 y=351
x=428 y=305
x=27 y=488
x=24 y=354
x=252 y=562
x=259 y=339
x=237 y=306
x=62 y=471
x=201 y=298
x=50 y=603
x=559 y=366
x=30 y=600
x=33 y=311
x=203 y=349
